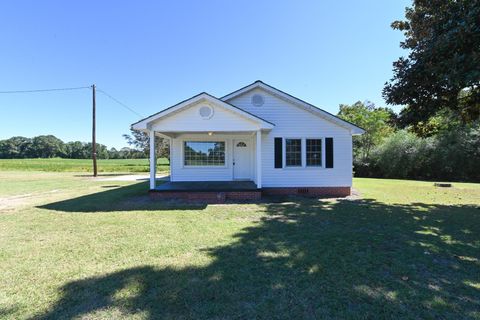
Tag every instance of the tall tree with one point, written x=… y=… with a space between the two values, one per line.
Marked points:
x=442 y=69
x=47 y=146
x=375 y=121
x=15 y=147
x=140 y=141
x=77 y=150
x=102 y=150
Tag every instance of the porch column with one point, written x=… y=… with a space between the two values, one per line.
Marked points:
x=153 y=160
x=259 y=159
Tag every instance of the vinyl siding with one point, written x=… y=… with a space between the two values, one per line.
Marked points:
x=293 y=122
x=189 y=120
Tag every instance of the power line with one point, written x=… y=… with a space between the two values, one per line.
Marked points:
x=44 y=90
x=76 y=88
x=120 y=103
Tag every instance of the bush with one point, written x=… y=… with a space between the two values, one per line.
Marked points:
x=457 y=155
x=401 y=155
x=450 y=155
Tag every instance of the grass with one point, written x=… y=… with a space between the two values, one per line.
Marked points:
x=82 y=165
x=75 y=247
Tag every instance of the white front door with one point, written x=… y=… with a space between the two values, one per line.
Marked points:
x=241 y=159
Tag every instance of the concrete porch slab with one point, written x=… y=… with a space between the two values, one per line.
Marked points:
x=206 y=186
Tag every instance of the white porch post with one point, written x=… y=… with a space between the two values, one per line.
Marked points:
x=153 y=160
x=259 y=159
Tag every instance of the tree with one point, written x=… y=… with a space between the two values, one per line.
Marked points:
x=113 y=153
x=140 y=141
x=442 y=69
x=47 y=146
x=402 y=155
x=15 y=147
x=443 y=120
x=102 y=150
x=374 y=120
x=125 y=153
x=77 y=150
x=449 y=155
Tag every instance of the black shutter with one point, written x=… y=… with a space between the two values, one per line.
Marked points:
x=278 y=153
x=328 y=152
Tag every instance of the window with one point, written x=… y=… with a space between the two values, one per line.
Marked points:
x=204 y=153
x=241 y=145
x=293 y=152
x=314 y=152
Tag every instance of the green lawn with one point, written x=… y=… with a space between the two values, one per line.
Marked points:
x=82 y=165
x=76 y=247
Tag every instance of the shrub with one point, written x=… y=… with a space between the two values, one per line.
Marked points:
x=450 y=155
x=456 y=155
x=401 y=155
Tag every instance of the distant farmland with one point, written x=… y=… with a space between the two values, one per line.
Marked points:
x=81 y=165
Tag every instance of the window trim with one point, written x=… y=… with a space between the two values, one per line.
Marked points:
x=322 y=152
x=204 y=140
x=285 y=152
x=304 y=153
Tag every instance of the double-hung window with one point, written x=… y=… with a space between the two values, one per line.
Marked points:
x=293 y=152
x=204 y=153
x=314 y=152
x=303 y=152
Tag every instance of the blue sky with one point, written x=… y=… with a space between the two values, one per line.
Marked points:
x=151 y=55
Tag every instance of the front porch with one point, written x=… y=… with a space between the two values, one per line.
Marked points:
x=213 y=161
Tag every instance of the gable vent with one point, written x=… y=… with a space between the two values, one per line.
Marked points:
x=206 y=112
x=257 y=100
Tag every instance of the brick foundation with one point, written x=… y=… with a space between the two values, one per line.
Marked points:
x=309 y=191
x=222 y=197
x=207 y=196
x=243 y=195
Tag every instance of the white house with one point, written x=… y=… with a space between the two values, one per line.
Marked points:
x=280 y=143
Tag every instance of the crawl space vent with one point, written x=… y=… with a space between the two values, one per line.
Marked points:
x=302 y=190
x=257 y=100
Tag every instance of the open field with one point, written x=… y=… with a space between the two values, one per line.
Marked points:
x=76 y=247
x=82 y=165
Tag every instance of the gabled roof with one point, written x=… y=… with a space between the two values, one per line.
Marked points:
x=356 y=130
x=142 y=124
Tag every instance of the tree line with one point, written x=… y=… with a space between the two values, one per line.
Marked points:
x=442 y=148
x=49 y=146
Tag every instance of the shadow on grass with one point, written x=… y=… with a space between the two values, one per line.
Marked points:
x=119 y=198
x=309 y=259
x=7 y=312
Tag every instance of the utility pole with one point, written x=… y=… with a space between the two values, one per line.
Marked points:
x=94 y=142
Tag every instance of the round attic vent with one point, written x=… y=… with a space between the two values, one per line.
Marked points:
x=206 y=112
x=257 y=100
